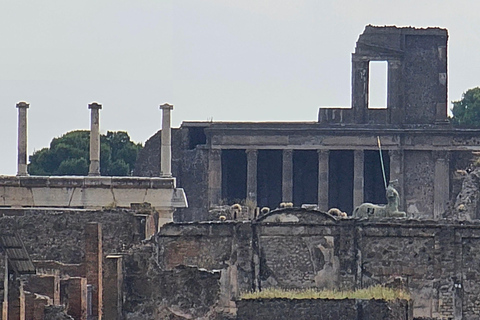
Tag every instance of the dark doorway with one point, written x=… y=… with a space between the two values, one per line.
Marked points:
x=234 y=175
x=374 y=186
x=305 y=177
x=269 y=178
x=340 y=180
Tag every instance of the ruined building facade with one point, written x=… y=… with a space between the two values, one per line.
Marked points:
x=335 y=161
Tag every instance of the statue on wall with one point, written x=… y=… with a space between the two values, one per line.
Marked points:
x=390 y=210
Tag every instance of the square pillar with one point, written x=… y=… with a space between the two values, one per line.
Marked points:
x=113 y=287
x=16 y=300
x=93 y=266
x=397 y=173
x=287 y=176
x=358 y=178
x=214 y=177
x=252 y=158
x=323 y=159
x=441 y=183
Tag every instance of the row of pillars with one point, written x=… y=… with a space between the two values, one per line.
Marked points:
x=94 y=169
x=441 y=179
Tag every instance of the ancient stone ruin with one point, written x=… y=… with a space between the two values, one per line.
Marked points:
x=261 y=211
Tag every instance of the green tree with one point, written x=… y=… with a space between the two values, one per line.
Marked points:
x=466 y=112
x=69 y=155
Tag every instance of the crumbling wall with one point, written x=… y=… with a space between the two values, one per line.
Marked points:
x=434 y=260
x=179 y=293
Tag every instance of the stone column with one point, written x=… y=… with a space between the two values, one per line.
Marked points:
x=396 y=173
x=22 y=139
x=252 y=156
x=166 y=150
x=94 y=169
x=94 y=265
x=214 y=177
x=358 y=178
x=323 y=171
x=287 y=176
x=441 y=183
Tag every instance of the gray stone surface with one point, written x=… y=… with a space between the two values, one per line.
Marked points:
x=306 y=309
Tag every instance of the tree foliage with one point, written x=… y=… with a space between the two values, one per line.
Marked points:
x=466 y=112
x=70 y=154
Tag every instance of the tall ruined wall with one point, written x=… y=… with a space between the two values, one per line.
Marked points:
x=189 y=167
x=435 y=260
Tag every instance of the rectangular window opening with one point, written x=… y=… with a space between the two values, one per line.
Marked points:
x=378 y=82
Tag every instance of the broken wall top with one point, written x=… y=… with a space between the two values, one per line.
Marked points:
x=416 y=82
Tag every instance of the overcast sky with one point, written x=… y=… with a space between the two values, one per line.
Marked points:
x=245 y=60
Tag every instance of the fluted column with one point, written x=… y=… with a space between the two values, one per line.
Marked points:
x=252 y=156
x=94 y=169
x=287 y=176
x=323 y=159
x=166 y=150
x=22 y=139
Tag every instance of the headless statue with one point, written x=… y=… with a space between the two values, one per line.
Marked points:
x=370 y=210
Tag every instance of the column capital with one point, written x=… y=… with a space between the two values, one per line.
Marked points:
x=166 y=106
x=251 y=151
x=23 y=104
x=95 y=105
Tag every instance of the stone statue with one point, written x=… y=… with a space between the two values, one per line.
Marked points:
x=369 y=210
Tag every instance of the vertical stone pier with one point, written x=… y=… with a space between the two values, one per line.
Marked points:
x=287 y=176
x=94 y=169
x=358 y=178
x=214 y=177
x=22 y=139
x=441 y=183
x=252 y=156
x=166 y=150
x=323 y=159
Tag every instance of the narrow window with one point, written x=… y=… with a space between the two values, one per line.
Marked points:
x=377 y=93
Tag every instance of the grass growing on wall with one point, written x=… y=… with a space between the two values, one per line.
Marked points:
x=376 y=292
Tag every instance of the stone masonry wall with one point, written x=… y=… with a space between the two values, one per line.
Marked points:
x=419 y=176
x=58 y=234
x=434 y=260
x=189 y=166
x=306 y=309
